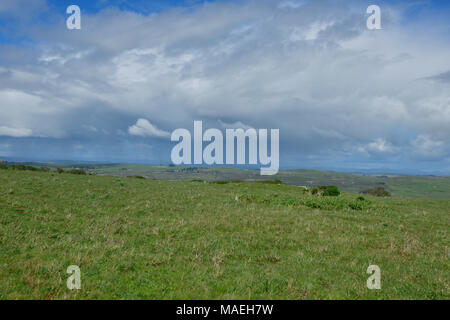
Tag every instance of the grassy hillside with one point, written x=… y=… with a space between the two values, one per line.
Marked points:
x=137 y=238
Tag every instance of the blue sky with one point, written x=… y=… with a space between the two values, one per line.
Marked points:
x=343 y=97
x=140 y=6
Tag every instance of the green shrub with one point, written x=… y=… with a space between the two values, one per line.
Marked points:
x=360 y=203
x=357 y=205
x=3 y=166
x=332 y=191
x=220 y=182
x=377 y=192
x=137 y=177
x=328 y=191
x=59 y=170
x=76 y=171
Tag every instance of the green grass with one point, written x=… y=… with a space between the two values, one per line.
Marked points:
x=151 y=239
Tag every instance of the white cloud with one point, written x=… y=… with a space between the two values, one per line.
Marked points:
x=427 y=147
x=144 y=128
x=378 y=146
x=234 y=125
x=15 y=132
x=291 y=4
x=90 y=128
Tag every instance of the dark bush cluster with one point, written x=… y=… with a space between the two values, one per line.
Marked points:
x=42 y=169
x=23 y=167
x=377 y=192
x=221 y=182
x=71 y=171
x=225 y=181
x=76 y=171
x=136 y=177
x=274 y=181
x=331 y=191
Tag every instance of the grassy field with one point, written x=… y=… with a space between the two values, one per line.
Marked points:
x=151 y=239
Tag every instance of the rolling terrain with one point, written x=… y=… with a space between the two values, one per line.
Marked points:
x=431 y=187
x=153 y=239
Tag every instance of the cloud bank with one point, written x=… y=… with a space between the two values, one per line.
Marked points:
x=341 y=95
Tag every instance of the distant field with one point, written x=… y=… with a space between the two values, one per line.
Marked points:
x=399 y=186
x=152 y=239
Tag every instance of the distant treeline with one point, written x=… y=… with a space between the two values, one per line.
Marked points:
x=42 y=169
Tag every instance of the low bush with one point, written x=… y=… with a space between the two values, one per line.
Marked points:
x=76 y=171
x=377 y=192
x=18 y=167
x=220 y=182
x=360 y=204
x=332 y=191
x=327 y=191
x=274 y=181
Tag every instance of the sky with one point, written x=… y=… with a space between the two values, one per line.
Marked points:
x=344 y=97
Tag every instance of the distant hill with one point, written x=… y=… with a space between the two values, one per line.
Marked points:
x=399 y=185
